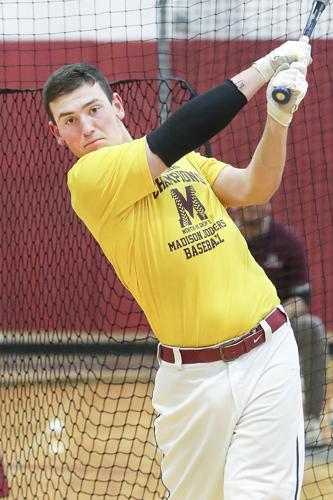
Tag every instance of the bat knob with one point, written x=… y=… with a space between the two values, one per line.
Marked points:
x=281 y=95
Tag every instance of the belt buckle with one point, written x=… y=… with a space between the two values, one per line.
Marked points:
x=230 y=344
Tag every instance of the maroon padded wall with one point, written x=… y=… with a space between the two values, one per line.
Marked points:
x=53 y=275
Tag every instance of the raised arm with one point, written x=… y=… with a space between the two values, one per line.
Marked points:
x=258 y=182
x=206 y=115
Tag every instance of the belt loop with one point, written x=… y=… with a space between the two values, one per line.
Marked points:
x=178 y=357
x=267 y=329
x=158 y=353
x=282 y=309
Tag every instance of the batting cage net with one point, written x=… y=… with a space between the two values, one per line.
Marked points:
x=77 y=354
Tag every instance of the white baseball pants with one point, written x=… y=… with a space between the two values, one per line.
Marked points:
x=233 y=430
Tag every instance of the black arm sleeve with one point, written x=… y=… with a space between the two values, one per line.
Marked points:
x=196 y=122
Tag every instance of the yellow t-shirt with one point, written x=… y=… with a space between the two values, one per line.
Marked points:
x=172 y=244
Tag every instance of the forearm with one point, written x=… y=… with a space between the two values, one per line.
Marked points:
x=267 y=164
x=196 y=122
x=249 y=82
x=200 y=119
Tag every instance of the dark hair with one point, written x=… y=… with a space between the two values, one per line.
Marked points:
x=70 y=77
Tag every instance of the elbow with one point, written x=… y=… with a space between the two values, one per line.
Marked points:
x=265 y=198
x=265 y=194
x=262 y=181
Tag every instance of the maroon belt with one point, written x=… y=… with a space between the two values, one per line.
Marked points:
x=230 y=351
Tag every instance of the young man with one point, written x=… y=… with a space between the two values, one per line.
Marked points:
x=280 y=252
x=227 y=392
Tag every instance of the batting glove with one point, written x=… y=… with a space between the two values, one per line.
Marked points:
x=294 y=79
x=287 y=53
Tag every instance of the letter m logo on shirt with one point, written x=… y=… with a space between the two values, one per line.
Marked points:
x=188 y=206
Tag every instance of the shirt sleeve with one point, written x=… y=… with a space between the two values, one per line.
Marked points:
x=209 y=167
x=108 y=181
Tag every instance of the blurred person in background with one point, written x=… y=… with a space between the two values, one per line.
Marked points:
x=281 y=253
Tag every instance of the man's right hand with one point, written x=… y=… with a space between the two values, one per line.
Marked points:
x=287 y=53
x=294 y=79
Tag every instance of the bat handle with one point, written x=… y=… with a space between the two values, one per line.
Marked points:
x=282 y=95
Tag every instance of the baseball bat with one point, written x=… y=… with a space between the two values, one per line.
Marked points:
x=282 y=95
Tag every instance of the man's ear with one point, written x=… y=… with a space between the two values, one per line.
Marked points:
x=55 y=132
x=117 y=103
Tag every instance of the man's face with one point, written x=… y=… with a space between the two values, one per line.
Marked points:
x=250 y=219
x=253 y=214
x=85 y=120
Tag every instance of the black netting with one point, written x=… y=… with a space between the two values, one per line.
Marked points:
x=77 y=355
x=78 y=358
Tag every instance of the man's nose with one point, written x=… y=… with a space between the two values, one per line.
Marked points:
x=87 y=125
